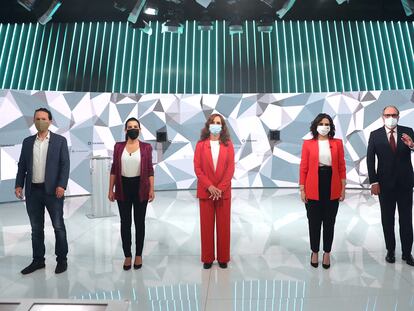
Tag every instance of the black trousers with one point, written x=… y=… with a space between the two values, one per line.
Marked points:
x=130 y=186
x=322 y=211
x=403 y=198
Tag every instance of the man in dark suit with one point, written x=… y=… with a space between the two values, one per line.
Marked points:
x=392 y=180
x=43 y=170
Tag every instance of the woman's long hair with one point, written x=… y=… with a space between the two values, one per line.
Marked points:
x=316 y=121
x=224 y=134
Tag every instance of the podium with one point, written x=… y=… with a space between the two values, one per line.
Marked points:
x=100 y=170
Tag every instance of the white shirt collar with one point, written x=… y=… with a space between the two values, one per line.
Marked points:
x=389 y=130
x=47 y=136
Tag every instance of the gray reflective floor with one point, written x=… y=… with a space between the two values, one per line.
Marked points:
x=269 y=269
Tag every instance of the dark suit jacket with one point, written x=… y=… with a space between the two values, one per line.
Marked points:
x=147 y=170
x=204 y=169
x=394 y=169
x=57 y=164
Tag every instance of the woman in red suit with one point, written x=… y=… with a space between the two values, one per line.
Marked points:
x=131 y=184
x=214 y=167
x=322 y=184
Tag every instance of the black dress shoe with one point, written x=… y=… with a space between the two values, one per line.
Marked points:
x=207 y=265
x=390 y=258
x=33 y=267
x=223 y=265
x=408 y=259
x=61 y=266
x=136 y=267
x=313 y=264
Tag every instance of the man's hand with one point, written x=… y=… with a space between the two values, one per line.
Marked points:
x=375 y=189
x=60 y=192
x=407 y=140
x=19 y=193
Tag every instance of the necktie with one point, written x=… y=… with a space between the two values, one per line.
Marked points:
x=392 y=141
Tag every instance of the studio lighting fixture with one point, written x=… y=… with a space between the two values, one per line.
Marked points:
x=204 y=3
x=265 y=26
x=286 y=7
x=236 y=27
x=172 y=26
x=44 y=10
x=27 y=4
x=136 y=11
x=205 y=25
x=151 y=10
x=143 y=26
x=408 y=6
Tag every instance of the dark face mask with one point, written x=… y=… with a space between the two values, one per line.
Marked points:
x=133 y=133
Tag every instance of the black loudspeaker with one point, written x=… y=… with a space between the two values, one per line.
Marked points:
x=161 y=137
x=274 y=135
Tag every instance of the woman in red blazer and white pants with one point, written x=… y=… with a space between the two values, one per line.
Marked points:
x=214 y=167
x=322 y=184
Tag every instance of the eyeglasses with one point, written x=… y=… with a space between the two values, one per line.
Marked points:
x=388 y=115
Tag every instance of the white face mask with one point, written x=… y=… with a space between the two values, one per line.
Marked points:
x=390 y=122
x=323 y=129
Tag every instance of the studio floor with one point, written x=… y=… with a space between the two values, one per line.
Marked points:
x=269 y=267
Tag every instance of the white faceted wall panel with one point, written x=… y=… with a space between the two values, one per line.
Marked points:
x=93 y=122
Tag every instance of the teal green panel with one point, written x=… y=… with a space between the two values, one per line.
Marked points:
x=297 y=56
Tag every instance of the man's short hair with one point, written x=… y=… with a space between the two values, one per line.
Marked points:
x=44 y=110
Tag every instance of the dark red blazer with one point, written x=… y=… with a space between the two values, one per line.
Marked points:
x=204 y=169
x=309 y=166
x=147 y=170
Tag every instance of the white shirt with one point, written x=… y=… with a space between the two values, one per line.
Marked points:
x=389 y=134
x=325 y=157
x=40 y=148
x=215 y=149
x=131 y=163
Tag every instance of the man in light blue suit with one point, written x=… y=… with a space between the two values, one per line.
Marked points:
x=43 y=171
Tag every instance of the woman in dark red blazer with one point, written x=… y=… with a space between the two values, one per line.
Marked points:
x=132 y=184
x=322 y=184
x=214 y=167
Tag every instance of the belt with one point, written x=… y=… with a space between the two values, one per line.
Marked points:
x=38 y=185
x=325 y=168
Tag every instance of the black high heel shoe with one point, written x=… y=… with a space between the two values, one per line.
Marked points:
x=126 y=267
x=137 y=266
x=313 y=264
x=326 y=266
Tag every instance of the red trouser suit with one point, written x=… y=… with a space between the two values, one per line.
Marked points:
x=218 y=211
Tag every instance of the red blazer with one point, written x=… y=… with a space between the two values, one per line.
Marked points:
x=309 y=166
x=204 y=169
x=146 y=170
